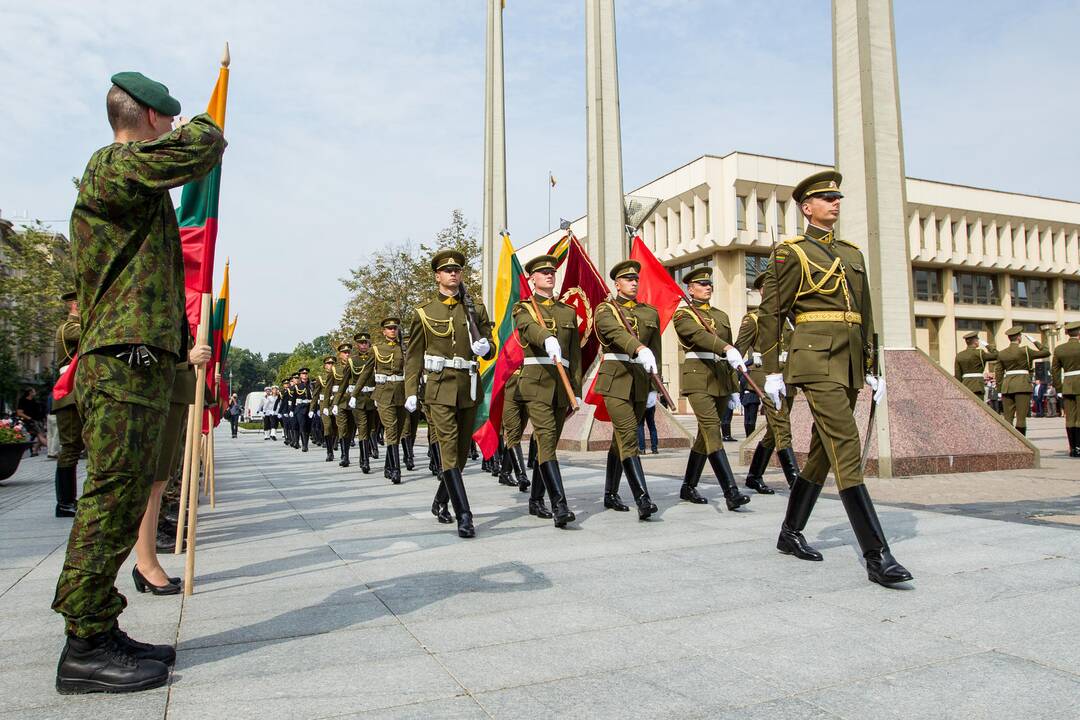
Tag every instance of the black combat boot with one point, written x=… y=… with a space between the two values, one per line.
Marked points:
x=329 y=450
x=517 y=462
x=387 y=464
x=344 y=453
x=799 y=506
x=536 y=496
x=506 y=467
x=455 y=488
x=406 y=450
x=553 y=482
x=688 y=491
x=612 y=501
x=144 y=651
x=789 y=464
x=438 y=505
x=881 y=566
x=65 y=491
x=101 y=664
x=724 y=476
x=635 y=478
x=395 y=464
x=755 y=477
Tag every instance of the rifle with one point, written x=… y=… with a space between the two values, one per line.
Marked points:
x=558 y=366
x=614 y=300
x=470 y=312
x=874 y=370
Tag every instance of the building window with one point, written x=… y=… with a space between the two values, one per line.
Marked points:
x=781 y=211
x=1072 y=295
x=755 y=265
x=740 y=212
x=705 y=209
x=967 y=325
x=679 y=272
x=1031 y=292
x=760 y=215
x=927 y=284
x=974 y=289
x=922 y=323
x=970 y=232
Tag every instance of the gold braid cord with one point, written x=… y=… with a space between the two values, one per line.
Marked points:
x=429 y=325
x=709 y=324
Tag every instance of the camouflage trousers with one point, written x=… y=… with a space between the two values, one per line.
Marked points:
x=124 y=409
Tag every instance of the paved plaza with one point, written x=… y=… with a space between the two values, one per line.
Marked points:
x=325 y=593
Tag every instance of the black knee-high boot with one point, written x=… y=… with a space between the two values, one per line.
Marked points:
x=536 y=496
x=722 y=470
x=881 y=566
x=694 y=464
x=455 y=488
x=755 y=479
x=800 y=504
x=612 y=501
x=635 y=478
x=395 y=464
x=553 y=482
x=65 y=491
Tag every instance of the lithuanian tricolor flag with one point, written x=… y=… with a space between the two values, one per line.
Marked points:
x=197 y=215
x=221 y=332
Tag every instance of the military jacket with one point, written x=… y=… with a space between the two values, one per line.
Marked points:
x=388 y=373
x=698 y=375
x=318 y=392
x=302 y=395
x=748 y=343
x=969 y=367
x=618 y=378
x=129 y=265
x=1067 y=360
x=1013 y=373
x=821 y=282
x=361 y=382
x=539 y=380
x=438 y=329
x=67 y=344
x=288 y=400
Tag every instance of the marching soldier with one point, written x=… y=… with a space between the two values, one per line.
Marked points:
x=68 y=422
x=361 y=403
x=389 y=395
x=970 y=364
x=630 y=337
x=514 y=418
x=441 y=348
x=551 y=337
x=292 y=395
x=323 y=403
x=303 y=393
x=341 y=393
x=777 y=420
x=314 y=413
x=129 y=273
x=822 y=281
x=708 y=382
x=1066 y=370
x=1013 y=375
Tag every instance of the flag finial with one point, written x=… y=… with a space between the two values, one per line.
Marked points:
x=225 y=59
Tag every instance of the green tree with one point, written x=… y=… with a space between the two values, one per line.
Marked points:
x=249 y=372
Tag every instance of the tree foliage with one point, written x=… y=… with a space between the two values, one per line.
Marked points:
x=394 y=280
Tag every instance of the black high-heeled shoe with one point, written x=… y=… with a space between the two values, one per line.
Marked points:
x=173 y=587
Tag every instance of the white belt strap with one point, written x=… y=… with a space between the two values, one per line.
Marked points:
x=973 y=375
x=334 y=388
x=545 y=361
x=622 y=357
x=701 y=356
x=381 y=379
x=457 y=363
x=1017 y=372
x=367 y=389
x=350 y=388
x=1070 y=373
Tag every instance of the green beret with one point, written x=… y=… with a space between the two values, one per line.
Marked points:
x=1075 y=325
x=826 y=181
x=759 y=281
x=390 y=322
x=69 y=296
x=361 y=337
x=446 y=259
x=626 y=267
x=147 y=92
x=697 y=275
x=544 y=262
x=971 y=335
x=344 y=347
x=329 y=359
x=1014 y=331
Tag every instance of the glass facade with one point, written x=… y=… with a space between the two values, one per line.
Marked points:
x=1031 y=292
x=927 y=284
x=740 y=212
x=1072 y=294
x=975 y=288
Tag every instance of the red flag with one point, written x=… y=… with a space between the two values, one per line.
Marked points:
x=511 y=357
x=583 y=289
x=655 y=286
x=65 y=384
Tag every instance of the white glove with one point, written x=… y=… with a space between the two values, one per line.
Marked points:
x=310 y=414
x=647 y=359
x=291 y=414
x=553 y=350
x=783 y=357
x=352 y=403
x=578 y=401
x=651 y=400
x=333 y=411
x=481 y=347
x=983 y=344
x=757 y=359
x=1029 y=338
x=410 y=403
x=733 y=401
x=877 y=384
x=735 y=358
x=775 y=387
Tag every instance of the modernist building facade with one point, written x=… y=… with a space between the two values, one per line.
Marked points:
x=981 y=259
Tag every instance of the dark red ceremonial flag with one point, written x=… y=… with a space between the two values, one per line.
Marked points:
x=655 y=286
x=583 y=289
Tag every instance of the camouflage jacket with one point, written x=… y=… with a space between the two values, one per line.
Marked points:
x=128 y=262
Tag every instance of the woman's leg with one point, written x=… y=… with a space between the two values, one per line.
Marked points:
x=146 y=546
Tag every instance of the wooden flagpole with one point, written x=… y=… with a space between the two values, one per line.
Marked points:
x=193 y=479
x=185 y=481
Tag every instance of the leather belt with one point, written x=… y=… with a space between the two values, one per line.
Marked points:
x=545 y=361
x=701 y=356
x=851 y=318
x=973 y=375
x=1017 y=372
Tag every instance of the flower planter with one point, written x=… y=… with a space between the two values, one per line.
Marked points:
x=10 y=456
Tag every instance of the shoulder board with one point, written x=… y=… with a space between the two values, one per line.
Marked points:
x=849 y=244
x=793 y=240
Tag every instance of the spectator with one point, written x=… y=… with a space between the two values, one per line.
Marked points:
x=1038 y=399
x=751 y=406
x=650 y=419
x=1052 y=409
x=32 y=414
x=233 y=412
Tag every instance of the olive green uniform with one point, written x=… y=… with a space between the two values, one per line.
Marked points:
x=388 y=373
x=777 y=420
x=706 y=379
x=1013 y=375
x=1066 y=373
x=344 y=383
x=621 y=379
x=539 y=385
x=515 y=414
x=439 y=334
x=68 y=422
x=969 y=368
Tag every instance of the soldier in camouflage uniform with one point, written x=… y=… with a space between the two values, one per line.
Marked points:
x=68 y=422
x=130 y=283
x=442 y=350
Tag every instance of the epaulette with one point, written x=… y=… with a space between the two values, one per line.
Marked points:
x=839 y=240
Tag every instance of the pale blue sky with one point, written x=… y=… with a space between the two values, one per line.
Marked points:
x=354 y=124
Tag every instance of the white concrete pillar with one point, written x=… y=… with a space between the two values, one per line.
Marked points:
x=494 y=220
x=701 y=213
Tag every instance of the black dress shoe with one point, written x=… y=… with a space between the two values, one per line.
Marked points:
x=100 y=664
x=143 y=585
x=166 y=542
x=758 y=485
x=144 y=651
x=65 y=510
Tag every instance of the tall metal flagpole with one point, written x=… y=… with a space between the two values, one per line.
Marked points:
x=549 y=200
